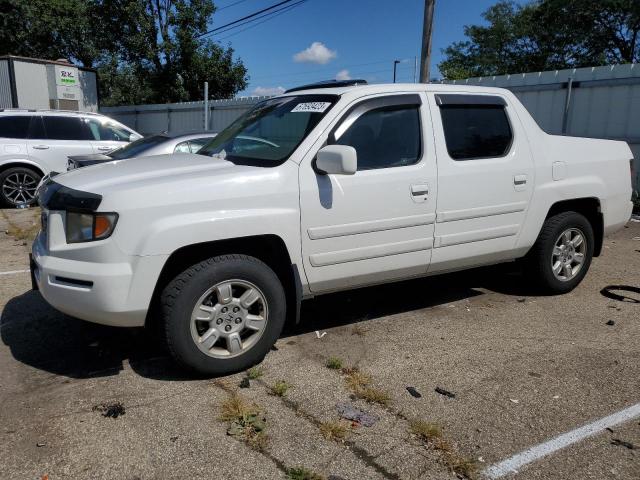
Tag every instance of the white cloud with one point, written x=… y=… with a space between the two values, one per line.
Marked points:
x=316 y=53
x=267 y=91
x=343 y=75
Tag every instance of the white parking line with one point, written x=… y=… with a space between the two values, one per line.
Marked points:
x=12 y=272
x=511 y=465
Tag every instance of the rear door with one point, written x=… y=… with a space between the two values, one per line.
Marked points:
x=53 y=138
x=376 y=225
x=485 y=179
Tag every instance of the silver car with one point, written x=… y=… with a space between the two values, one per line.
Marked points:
x=146 y=147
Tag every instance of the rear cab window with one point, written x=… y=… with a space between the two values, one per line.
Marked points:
x=475 y=126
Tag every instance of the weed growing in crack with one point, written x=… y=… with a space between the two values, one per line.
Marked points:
x=246 y=421
x=280 y=388
x=431 y=435
x=301 y=473
x=335 y=430
x=333 y=363
x=254 y=373
x=360 y=384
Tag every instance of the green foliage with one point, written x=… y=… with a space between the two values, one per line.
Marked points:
x=280 y=388
x=145 y=51
x=301 y=473
x=254 y=373
x=334 y=363
x=546 y=35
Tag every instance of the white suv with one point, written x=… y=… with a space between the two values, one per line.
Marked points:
x=322 y=190
x=35 y=143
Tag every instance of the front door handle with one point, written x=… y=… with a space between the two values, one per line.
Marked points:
x=41 y=147
x=420 y=192
x=104 y=149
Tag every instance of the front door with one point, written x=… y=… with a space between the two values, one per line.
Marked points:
x=53 y=138
x=485 y=180
x=378 y=224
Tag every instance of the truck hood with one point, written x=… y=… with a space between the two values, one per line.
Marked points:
x=145 y=172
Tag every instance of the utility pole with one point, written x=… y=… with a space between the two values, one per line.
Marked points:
x=427 y=27
x=395 y=64
x=206 y=106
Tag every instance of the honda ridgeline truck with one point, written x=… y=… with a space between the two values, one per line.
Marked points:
x=325 y=188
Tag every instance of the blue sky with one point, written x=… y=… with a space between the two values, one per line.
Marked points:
x=358 y=38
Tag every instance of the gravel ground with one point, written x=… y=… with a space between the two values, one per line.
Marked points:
x=523 y=370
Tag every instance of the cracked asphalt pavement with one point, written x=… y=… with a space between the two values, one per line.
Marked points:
x=523 y=369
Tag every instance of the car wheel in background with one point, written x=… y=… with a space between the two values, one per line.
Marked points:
x=18 y=186
x=562 y=254
x=223 y=314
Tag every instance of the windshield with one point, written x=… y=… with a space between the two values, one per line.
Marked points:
x=135 y=149
x=270 y=132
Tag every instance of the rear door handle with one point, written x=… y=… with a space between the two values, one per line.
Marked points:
x=519 y=179
x=41 y=147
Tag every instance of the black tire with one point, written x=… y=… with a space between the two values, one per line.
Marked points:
x=180 y=297
x=538 y=263
x=27 y=177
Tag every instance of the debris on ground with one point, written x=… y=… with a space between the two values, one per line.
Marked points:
x=113 y=410
x=349 y=412
x=608 y=292
x=522 y=300
x=609 y=429
x=444 y=392
x=173 y=439
x=244 y=383
x=611 y=323
x=413 y=392
x=622 y=443
x=320 y=335
x=535 y=374
x=514 y=400
x=41 y=444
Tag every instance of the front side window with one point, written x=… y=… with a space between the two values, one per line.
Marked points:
x=270 y=132
x=476 y=131
x=64 y=128
x=137 y=148
x=106 y=130
x=385 y=137
x=16 y=126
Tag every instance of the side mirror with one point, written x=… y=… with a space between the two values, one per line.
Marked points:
x=337 y=160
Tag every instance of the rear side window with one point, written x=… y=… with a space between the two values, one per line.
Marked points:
x=65 y=128
x=476 y=131
x=16 y=126
x=385 y=137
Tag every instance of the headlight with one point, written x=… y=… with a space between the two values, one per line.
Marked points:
x=87 y=227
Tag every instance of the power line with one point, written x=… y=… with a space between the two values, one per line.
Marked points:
x=267 y=17
x=230 y=5
x=246 y=17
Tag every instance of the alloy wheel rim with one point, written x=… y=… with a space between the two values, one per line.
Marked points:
x=19 y=188
x=229 y=319
x=569 y=254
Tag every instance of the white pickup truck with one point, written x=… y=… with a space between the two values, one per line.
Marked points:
x=322 y=189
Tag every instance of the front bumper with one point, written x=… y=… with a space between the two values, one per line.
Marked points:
x=115 y=294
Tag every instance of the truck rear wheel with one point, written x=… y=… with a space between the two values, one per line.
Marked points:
x=562 y=254
x=223 y=314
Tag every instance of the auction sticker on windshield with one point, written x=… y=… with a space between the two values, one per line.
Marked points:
x=313 y=107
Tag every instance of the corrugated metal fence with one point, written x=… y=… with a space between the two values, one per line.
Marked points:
x=599 y=102
x=180 y=117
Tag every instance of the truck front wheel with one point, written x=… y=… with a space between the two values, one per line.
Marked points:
x=223 y=315
x=562 y=254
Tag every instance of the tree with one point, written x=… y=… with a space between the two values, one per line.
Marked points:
x=145 y=51
x=546 y=35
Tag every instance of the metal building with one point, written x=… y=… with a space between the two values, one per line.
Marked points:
x=45 y=84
